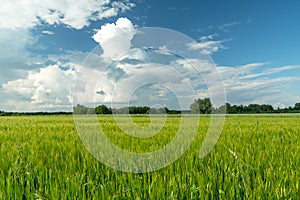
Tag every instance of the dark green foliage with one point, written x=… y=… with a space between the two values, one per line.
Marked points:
x=297 y=106
x=91 y=111
x=103 y=109
x=131 y=110
x=80 y=109
x=2 y=113
x=251 y=108
x=138 y=110
x=202 y=106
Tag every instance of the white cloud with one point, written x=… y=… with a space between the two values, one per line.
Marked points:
x=272 y=71
x=122 y=33
x=14 y=55
x=13 y=43
x=205 y=78
x=18 y=17
x=251 y=84
x=225 y=27
x=147 y=84
x=280 y=69
x=48 y=32
x=153 y=83
x=279 y=105
x=73 y=13
x=50 y=87
x=207 y=46
x=239 y=71
x=208 y=37
x=137 y=54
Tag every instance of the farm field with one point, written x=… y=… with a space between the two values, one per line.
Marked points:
x=256 y=157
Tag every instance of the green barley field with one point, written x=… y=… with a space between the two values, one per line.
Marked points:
x=256 y=157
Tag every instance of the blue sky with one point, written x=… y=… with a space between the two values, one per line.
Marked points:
x=254 y=44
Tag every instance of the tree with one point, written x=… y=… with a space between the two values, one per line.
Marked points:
x=202 y=106
x=228 y=108
x=220 y=110
x=80 y=109
x=195 y=107
x=91 y=111
x=103 y=109
x=267 y=108
x=2 y=113
x=234 y=109
x=297 y=106
x=254 y=108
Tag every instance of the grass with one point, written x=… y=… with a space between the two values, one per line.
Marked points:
x=256 y=157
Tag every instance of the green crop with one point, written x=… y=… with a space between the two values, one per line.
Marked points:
x=256 y=157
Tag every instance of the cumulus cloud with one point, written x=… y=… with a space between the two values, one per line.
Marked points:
x=142 y=83
x=49 y=87
x=122 y=32
x=29 y=89
x=73 y=13
x=205 y=78
x=147 y=84
x=130 y=78
x=131 y=82
x=19 y=17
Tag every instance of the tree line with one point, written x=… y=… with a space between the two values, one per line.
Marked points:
x=2 y=113
x=202 y=106
x=103 y=109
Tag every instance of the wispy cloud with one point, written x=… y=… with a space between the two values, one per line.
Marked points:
x=208 y=37
x=48 y=32
x=280 y=69
x=207 y=45
x=272 y=71
x=252 y=84
x=228 y=26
